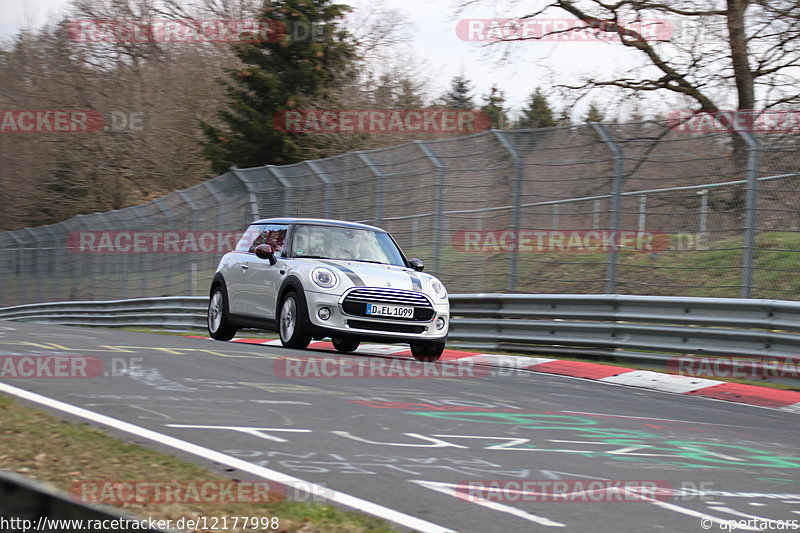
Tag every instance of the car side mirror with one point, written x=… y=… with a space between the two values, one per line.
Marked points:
x=416 y=264
x=265 y=251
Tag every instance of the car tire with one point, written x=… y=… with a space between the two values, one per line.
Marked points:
x=292 y=322
x=219 y=326
x=346 y=345
x=428 y=351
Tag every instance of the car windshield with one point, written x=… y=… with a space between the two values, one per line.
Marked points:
x=347 y=244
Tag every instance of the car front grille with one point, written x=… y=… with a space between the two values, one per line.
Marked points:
x=383 y=326
x=355 y=302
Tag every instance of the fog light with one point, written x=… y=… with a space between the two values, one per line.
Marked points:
x=324 y=313
x=440 y=323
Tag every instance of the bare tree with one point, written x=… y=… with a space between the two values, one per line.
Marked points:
x=702 y=50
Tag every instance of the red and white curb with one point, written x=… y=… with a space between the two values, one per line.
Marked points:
x=784 y=400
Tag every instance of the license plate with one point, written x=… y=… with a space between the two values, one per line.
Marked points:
x=395 y=311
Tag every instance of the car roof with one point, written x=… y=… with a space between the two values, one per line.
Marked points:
x=318 y=222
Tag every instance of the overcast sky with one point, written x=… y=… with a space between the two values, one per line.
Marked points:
x=434 y=40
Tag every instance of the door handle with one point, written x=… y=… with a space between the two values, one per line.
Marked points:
x=244 y=266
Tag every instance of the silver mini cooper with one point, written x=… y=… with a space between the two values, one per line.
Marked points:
x=313 y=278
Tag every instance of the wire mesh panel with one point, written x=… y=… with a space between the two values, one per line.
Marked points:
x=777 y=217
x=682 y=192
x=641 y=208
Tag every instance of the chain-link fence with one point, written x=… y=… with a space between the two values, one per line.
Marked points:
x=640 y=208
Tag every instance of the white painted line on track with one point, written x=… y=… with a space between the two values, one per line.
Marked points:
x=793 y=408
x=335 y=496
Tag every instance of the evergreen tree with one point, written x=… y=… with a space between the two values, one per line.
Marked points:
x=493 y=107
x=538 y=113
x=594 y=114
x=65 y=194
x=458 y=97
x=408 y=95
x=302 y=61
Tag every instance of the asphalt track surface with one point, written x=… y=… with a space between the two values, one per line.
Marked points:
x=401 y=447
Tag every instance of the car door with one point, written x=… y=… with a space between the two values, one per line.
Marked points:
x=263 y=280
x=236 y=272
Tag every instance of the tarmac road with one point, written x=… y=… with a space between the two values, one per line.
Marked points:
x=409 y=445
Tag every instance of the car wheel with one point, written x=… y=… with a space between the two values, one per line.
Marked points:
x=291 y=323
x=218 y=325
x=427 y=352
x=345 y=345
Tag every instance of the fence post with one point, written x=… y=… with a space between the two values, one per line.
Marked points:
x=250 y=192
x=750 y=219
x=121 y=259
x=516 y=214
x=15 y=267
x=642 y=212
x=166 y=260
x=596 y=215
x=703 y=211
x=437 y=218
x=195 y=210
x=616 y=198
x=326 y=181
x=287 y=189
x=380 y=186
x=34 y=264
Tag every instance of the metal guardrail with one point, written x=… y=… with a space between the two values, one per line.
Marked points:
x=163 y=312
x=647 y=329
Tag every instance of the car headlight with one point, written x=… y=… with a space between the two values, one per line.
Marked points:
x=324 y=277
x=437 y=287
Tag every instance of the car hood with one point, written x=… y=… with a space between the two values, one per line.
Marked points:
x=374 y=275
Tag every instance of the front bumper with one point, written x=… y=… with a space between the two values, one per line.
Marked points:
x=341 y=324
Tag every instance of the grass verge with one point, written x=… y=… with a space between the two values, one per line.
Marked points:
x=41 y=446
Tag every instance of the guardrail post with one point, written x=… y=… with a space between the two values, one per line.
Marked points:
x=380 y=186
x=616 y=199
x=750 y=212
x=437 y=219
x=516 y=213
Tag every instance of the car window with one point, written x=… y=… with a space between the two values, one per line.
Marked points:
x=348 y=244
x=273 y=234
x=249 y=236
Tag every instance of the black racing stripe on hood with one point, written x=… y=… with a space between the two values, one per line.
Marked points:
x=357 y=281
x=415 y=281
